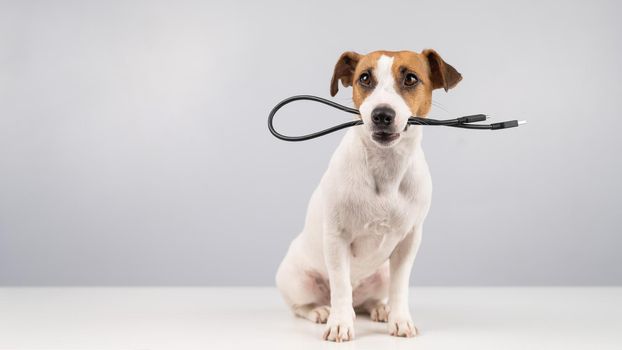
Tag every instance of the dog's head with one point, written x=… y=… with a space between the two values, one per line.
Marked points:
x=389 y=87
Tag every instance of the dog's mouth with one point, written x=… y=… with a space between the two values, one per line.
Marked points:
x=384 y=137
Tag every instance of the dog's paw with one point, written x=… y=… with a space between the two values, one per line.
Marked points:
x=339 y=331
x=339 y=327
x=379 y=312
x=319 y=314
x=402 y=326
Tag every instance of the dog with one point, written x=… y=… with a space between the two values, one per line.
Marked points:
x=364 y=221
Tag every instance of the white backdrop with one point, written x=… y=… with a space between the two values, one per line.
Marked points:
x=134 y=148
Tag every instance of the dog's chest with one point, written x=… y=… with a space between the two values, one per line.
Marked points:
x=379 y=208
x=383 y=220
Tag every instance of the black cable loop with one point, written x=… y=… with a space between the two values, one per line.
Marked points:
x=461 y=122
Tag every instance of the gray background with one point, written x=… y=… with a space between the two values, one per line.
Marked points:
x=134 y=148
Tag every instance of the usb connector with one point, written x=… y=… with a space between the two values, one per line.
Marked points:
x=507 y=124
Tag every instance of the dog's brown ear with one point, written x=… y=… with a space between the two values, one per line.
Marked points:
x=344 y=70
x=442 y=74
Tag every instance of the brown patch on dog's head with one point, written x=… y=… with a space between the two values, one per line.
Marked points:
x=418 y=97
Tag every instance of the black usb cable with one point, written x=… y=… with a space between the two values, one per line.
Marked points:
x=461 y=122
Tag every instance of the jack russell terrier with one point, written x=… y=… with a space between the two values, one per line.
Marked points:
x=364 y=221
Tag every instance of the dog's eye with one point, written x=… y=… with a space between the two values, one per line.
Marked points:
x=410 y=79
x=365 y=79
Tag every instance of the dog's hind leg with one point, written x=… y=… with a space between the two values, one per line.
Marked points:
x=304 y=290
x=312 y=312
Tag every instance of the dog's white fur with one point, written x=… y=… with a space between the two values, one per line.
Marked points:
x=363 y=226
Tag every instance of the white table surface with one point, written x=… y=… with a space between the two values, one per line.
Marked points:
x=256 y=318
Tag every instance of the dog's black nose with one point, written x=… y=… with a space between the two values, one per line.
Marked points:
x=383 y=116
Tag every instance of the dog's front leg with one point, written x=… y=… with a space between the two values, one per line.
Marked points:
x=339 y=326
x=401 y=262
